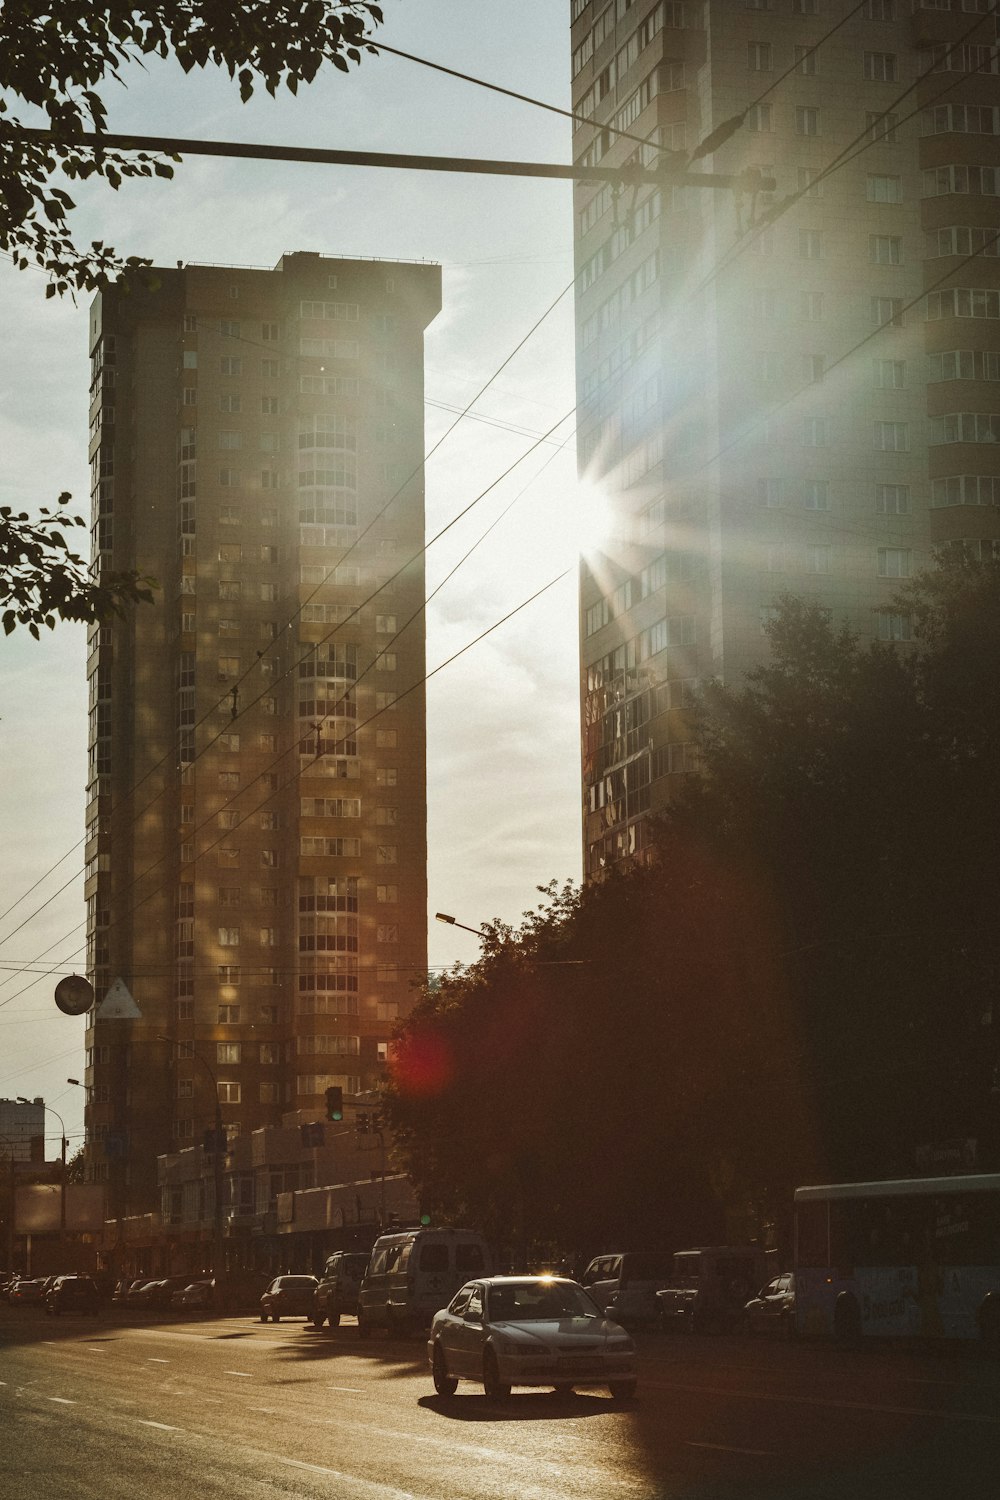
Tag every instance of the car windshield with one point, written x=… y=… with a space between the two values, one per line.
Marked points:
x=293 y=1282
x=534 y=1301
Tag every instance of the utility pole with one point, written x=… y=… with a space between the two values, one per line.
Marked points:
x=218 y=1149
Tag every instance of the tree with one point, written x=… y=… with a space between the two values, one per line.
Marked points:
x=860 y=788
x=55 y=60
x=42 y=579
x=800 y=987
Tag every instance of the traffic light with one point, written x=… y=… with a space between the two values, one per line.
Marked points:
x=334 y=1103
x=363 y=1122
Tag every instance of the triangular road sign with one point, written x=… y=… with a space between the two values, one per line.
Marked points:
x=118 y=1004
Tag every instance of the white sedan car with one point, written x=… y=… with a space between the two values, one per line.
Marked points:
x=528 y=1330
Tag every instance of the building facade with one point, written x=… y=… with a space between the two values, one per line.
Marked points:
x=789 y=388
x=22 y=1130
x=256 y=825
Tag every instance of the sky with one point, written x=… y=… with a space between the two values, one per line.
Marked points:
x=503 y=726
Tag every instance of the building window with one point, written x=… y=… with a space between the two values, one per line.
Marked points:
x=892 y=499
x=889 y=374
x=230 y=365
x=811 y=306
x=227 y=1052
x=893 y=562
x=886 y=312
x=810 y=244
x=883 y=189
x=813 y=368
x=817 y=495
x=881 y=128
x=885 y=249
x=229 y=937
x=760 y=118
x=879 y=67
x=805 y=61
x=771 y=492
x=270 y=1093
x=814 y=433
x=892 y=437
x=810 y=182
x=229 y=1093
x=759 y=57
x=806 y=120
x=819 y=558
x=386 y=895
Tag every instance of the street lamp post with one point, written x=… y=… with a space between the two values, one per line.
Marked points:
x=218 y=1268
x=62 y=1169
x=443 y=916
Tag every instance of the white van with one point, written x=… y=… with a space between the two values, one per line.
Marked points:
x=413 y=1273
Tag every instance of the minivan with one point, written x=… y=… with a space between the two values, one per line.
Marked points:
x=624 y=1285
x=413 y=1273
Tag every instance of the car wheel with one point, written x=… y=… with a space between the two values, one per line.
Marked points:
x=334 y=1318
x=263 y=1317
x=444 y=1384
x=787 y=1325
x=562 y=1390
x=275 y=1317
x=364 y=1327
x=496 y=1389
x=316 y=1319
x=622 y=1390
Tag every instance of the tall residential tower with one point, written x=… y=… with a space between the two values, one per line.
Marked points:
x=793 y=390
x=256 y=825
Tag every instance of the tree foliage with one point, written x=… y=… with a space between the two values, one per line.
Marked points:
x=54 y=61
x=794 y=990
x=42 y=579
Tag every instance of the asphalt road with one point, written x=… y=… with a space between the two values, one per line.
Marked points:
x=95 y=1407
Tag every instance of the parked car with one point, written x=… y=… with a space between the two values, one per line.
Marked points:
x=156 y=1294
x=710 y=1286
x=138 y=1293
x=72 y=1294
x=528 y=1330
x=288 y=1297
x=27 y=1289
x=196 y=1296
x=773 y=1308
x=123 y=1288
x=339 y=1286
x=624 y=1284
x=413 y=1273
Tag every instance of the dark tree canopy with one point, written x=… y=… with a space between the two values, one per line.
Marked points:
x=800 y=988
x=42 y=579
x=54 y=60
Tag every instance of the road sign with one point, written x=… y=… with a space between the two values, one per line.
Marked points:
x=74 y=995
x=118 y=1004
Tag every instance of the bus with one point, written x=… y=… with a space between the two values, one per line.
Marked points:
x=913 y=1258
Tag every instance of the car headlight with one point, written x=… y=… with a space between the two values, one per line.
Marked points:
x=524 y=1351
x=620 y=1345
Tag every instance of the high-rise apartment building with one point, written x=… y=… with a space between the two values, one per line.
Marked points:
x=793 y=389
x=256 y=825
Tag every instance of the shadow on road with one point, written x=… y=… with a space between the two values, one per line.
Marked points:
x=531 y=1406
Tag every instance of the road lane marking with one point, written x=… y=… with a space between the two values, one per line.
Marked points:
x=724 y=1448
x=89 y=1350
x=893 y=1411
x=354 y=1390
x=163 y=1427
x=243 y=1374
x=61 y=1400
x=379 y=1489
x=151 y=1361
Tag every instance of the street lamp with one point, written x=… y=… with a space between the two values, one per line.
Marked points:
x=217 y=1251
x=9 y=1220
x=62 y=1169
x=443 y=916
